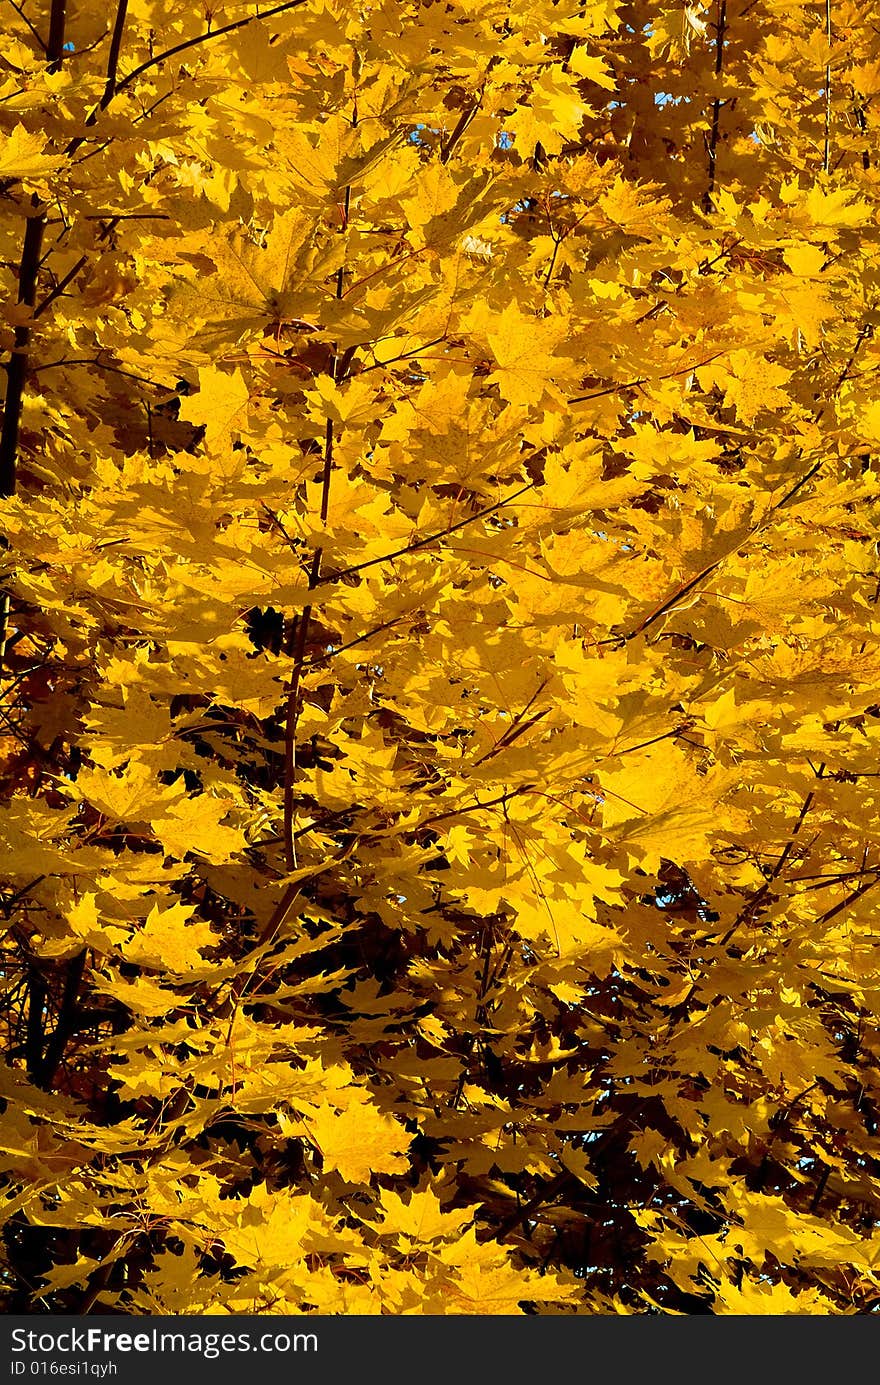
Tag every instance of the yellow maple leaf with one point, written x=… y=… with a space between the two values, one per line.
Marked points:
x=144 y=996
x=523 y=349
x=196 y=825
x=804 y=259
x=62 y=1276
x=220 y=405
x=632 y=207
x=501 y=1289
x=421 y=1217
x=433 y=193
x=658 y=805
x=269 y=1229
x=592 y=67
x=129 y=796
x=828 y=210
x=21 y=155
x=169 y=939
x=551 y=116
x=752 y=384
x=869 y=420
x=570 y=926
x=359 y=1140
x=768 y=1300
x=251 y=285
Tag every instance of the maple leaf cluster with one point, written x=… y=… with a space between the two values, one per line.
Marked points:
x=440 y=645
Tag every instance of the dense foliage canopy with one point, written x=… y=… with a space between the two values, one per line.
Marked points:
x=440 y=655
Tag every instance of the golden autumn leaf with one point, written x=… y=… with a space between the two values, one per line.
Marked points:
x=421 y=1218
x=132 y=794
x=358 y=1140
x=657 y=803
x=269 y=1231
x=523 y=352
x=551 y=115
x=170 y=938
x=220 y=405
x=197 y=825
x=22 y=156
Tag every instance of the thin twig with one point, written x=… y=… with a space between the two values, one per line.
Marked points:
x=464 y=120
x=291 y=716
x=71 y=273
x=318 y=659
x=850 y=899
x=327 y=470
x=205 y=37
x=475 y=807
x=429 y=539
x=19 y=10
x=98 y=365
x=645 y=380
x=61 y=286
x=36 y=1018
x=759 y=898
x=65 y=1024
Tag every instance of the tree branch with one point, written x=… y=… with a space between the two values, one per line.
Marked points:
x=55 y=44
x=720 y=29
x=826 y=153
x=65 y=1025
x=113 y=56
x=72 y=273
x=16 y=369
x=319 y=659
x=35 y=1024
x=19 y=10
x=474 y=807
x=291 y=715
